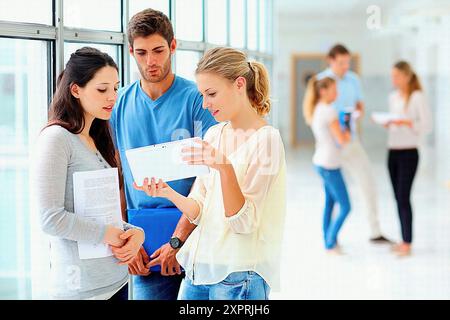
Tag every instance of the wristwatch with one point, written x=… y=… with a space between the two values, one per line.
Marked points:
x=175 y=243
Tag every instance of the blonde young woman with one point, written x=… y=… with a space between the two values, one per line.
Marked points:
x=323 y=119
x=408 y=102
x=239 y=207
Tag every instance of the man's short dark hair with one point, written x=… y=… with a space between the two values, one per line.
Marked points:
x=337 y=50
x=147 y=23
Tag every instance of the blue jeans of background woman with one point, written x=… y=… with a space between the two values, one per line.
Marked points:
x=335 y=193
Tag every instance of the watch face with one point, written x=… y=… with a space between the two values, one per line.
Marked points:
x=175 y=243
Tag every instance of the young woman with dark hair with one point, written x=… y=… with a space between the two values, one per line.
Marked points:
x=77 y=138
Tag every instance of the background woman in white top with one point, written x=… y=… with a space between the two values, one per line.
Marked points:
x=409 y=103
x=239 y=207
x=323 y=119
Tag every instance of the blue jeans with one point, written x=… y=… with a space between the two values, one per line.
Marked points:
x=121 y=295
x=335 y=192
x=156 y=287
x=246 y=285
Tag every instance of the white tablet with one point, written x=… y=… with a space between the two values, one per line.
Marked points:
x=163 y=161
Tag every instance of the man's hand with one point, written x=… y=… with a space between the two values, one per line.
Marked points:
x=165 y=256
x=137 y=266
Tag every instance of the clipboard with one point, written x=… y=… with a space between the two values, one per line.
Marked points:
x=163 y=161
x=383 y=118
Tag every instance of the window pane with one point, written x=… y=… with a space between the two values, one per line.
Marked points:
x=269 y=32
x=237 y=23
x=37 y=11
x=252 y=28
x=189 y=20
x=139 y=5
x=217 y=21
x=186 y=63
x=263 y=25
x=23 y=96
x=101 y=15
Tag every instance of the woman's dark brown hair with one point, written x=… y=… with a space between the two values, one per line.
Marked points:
x=414 y=82
x=66 y=110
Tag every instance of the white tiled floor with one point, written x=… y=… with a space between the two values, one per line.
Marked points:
x=366 y=271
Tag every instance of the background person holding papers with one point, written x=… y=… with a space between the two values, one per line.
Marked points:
x=160 y=107
x=239 y=207
x=77 y=139
x=408 y=102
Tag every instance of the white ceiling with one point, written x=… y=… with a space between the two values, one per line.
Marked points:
x=326 y=7
x=355 y=8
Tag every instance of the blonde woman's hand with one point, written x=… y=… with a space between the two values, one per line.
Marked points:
x=155 y=189
x=402 y=122
x=204 y=154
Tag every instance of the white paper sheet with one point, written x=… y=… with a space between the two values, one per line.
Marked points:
x=163 y=161
x=383 y=118
x=97 y=197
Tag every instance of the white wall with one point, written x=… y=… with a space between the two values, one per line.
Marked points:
x=425 y=43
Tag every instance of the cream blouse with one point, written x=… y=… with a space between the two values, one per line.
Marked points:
x=250 y=240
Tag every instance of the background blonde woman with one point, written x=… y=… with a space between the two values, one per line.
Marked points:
x=239 y=207
x=323 y=119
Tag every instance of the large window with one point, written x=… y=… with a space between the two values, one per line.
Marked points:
x=186 y=63
x=35 y=46
x=189 y=20
x=237 y=23
x=252 y=24
x=23 y=96
x=139 y=5
x=216 y=21
x=36 y=11
x=263 y=25
x=93 y=14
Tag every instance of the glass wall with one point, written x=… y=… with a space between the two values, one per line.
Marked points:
x=23 y=100
x=34 y=47
x=38 y=11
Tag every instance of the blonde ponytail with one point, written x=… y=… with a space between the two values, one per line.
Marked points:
x=312 y=96
x=310 y=100
x=230 y=64
x=260 y=93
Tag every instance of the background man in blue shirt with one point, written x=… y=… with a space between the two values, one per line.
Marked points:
x=158 y=108
x=355 y=163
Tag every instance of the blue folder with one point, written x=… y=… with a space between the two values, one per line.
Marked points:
x=158 y=224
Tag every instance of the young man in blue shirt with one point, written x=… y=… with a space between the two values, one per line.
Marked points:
x=158 y=108
x=355 y=162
